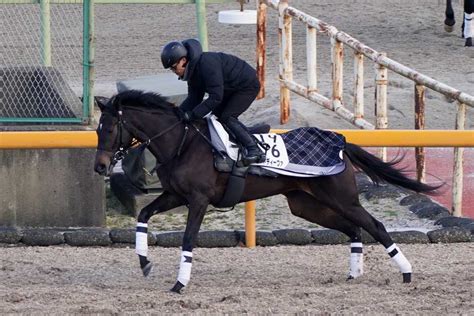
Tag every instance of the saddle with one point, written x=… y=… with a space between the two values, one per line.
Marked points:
x=238 y=171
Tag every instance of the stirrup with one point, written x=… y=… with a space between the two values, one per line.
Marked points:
x=246 y=160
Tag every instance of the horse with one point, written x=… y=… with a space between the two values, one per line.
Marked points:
x=468 y=22
x=188 y=176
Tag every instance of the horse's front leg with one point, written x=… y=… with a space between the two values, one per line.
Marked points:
x=197 y=209
x=166 y=201
x=450 y=20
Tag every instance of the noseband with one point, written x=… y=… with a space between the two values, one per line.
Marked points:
x=123 y=149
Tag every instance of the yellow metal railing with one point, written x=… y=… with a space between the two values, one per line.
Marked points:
x=365 y=138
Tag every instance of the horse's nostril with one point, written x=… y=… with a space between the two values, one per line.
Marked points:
x=100 y=169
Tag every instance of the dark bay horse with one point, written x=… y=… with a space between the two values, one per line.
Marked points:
x=468 y=20
x=188 y=177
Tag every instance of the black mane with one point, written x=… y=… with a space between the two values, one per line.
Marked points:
x=141 y=99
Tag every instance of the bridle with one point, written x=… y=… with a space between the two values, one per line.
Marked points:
x=124 y=148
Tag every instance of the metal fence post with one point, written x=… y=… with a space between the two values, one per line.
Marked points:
x=250 y=230
x=202 y=24
x=381 y=83
x=420 y=124
x=311 y=59
x=458 y=163
x=88 y=61
x=45 y=32
x=358 y=100
x=286 y=68
x=337 y=65
x=261 y=46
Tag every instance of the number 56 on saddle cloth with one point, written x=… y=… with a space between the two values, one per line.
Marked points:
x=302 y=152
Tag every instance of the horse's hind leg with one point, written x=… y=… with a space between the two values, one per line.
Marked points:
x=166 y=201
x=468 y=24
x=375 y=228
x=357 y=214
x=339 y=192
x=306 y=206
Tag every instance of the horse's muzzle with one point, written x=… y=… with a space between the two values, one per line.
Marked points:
x=102 y=162
x=101 y=169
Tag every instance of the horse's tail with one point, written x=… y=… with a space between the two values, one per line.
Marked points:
x=380 y=171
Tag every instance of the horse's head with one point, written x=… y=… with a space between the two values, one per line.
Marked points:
x=147 y=113
x=113 y=138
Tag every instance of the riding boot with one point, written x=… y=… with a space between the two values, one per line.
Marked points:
x=251 y=153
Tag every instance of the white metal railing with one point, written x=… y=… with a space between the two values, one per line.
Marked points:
x=382 y=63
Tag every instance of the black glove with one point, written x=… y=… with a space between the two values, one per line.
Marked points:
x=188 y=116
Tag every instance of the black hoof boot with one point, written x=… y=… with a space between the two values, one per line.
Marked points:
x=468 y=42
x=145 y=265
x=177 y=287
x=147 y=269
x=406 y=277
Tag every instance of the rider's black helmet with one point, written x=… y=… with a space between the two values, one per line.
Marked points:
x=172 y=53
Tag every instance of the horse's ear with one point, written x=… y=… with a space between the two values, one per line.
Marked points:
x=101 y=102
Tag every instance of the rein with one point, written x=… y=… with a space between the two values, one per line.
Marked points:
x=208 y=141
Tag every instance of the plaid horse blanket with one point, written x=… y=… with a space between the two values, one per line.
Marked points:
x=313 y=152
x=302 y=152
x=312 y=146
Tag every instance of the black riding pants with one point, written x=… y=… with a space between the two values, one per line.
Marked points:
x=236 y=103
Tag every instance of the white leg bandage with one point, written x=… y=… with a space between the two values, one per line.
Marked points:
x=357 y=260
x=185 y=265
x=468 y=25
x=141 y=239
x=398 y=257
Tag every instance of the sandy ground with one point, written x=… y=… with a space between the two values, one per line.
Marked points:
x=282 y=280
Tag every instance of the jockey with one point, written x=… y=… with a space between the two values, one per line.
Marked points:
x=231 y=85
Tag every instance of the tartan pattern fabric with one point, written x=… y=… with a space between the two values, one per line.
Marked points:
x=312 y=146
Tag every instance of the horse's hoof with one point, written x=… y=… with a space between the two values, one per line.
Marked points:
x=350 y=277
x=448 y=28
x=177 y=287
x=449 y=24
x=406 y=277
x=147 y=269
x=468 y=42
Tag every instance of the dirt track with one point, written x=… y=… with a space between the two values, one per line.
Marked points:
x=284 y=279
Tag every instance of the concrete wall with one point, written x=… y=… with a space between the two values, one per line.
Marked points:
x=50 y=188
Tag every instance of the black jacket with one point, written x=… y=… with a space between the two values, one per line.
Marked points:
x=219 y=75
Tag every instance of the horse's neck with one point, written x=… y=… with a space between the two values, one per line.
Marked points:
x=178 y=139
x=161 y=146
